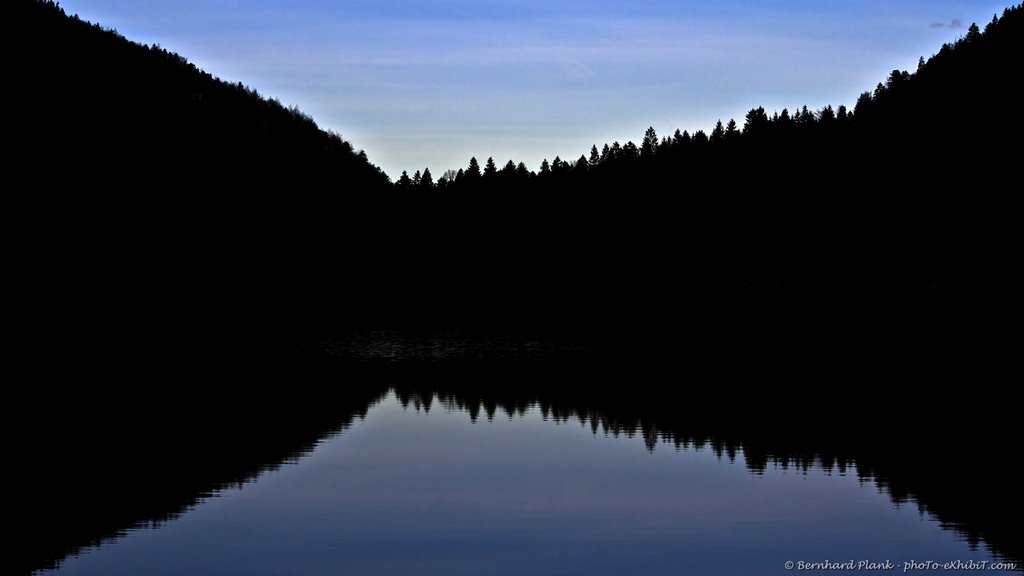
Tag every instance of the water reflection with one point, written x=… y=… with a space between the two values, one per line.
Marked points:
x=95 y=463
x=418 y=486
x=947 y=473
x=460 y=469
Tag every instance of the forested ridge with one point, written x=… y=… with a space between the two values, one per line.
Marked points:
x=170 y=239
x=905 y=187
x=89 y=99
x=909 y=185
x=963 y=93
x=154 y=193
x=127 y=159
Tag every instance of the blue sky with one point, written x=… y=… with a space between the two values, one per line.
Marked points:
x=431 y=83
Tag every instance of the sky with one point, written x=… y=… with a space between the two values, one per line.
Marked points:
x=431 y=83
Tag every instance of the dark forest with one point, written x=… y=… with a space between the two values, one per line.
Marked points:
x=907 y=186
x=174 y=238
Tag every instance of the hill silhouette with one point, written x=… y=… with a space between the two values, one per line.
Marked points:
x=141 y=162
x=134 y=160
x=166 y=212
x=169 y=214
x=150 y=198
x=161 y=222
x=94 y=106
x=907 y=186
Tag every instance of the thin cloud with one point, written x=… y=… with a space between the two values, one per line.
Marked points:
x=954 y=24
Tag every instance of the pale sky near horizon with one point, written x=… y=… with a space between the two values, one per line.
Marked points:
x=431 y=83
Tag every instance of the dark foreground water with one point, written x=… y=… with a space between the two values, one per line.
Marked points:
x=427 y=485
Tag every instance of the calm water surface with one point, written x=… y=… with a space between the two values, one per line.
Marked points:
x=417 y=490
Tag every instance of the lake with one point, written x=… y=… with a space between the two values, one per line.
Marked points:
x=467 y=480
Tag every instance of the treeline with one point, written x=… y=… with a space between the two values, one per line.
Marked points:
x=908 y=186
x=152 y=186
x=85 y=98
x=154 y=214
x=127 y=157
x=146 y=191
x=652 y=154
x=965 y=77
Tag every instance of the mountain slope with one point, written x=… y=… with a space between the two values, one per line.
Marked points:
x=88 y=99
x=908 y=187
x=959 y=101
x=152 y=211
x=127 y=154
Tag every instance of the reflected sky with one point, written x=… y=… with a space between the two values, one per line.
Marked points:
x=410 y=491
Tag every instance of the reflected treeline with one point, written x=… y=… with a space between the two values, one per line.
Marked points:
x=950 y=457
x=173 y=237
x=91 y=461
x=153 y=439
